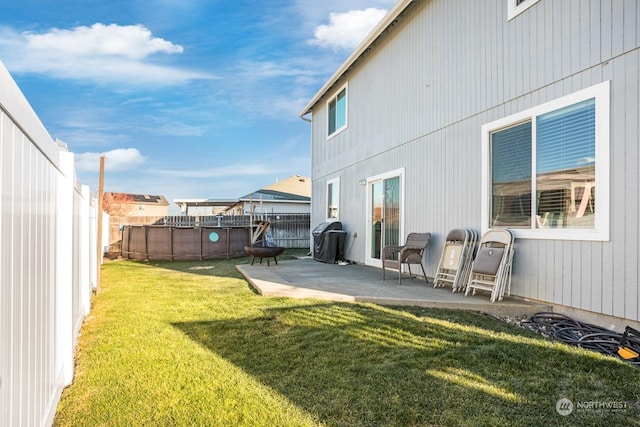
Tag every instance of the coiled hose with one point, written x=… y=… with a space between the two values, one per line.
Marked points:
x=580 y=334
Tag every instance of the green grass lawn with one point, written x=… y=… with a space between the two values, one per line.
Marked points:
x=190 y=344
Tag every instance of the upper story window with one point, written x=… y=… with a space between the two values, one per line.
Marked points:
x=333 y=199
x=337 y=112
x=516 y=7
x=541 y=168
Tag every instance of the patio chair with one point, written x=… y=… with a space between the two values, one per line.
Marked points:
x=411 y=252
x=456 y=259
x=491 y=270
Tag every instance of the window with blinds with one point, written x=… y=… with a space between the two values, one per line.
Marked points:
x=565 y=166
x=564 y=169
x=543 y=165
x=511 y=176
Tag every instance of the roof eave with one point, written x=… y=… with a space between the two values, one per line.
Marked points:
x=382 y=26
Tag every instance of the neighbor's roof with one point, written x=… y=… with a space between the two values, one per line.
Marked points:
x=205 y=202
x=296 y=184
x=296 y=188
x=143 y=199
x=390 y=19
x=275 y=196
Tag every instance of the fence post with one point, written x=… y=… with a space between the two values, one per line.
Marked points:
x=146 y=242
x=170 y=242
x=100 y=250
x=64 y=270
x=85 y=251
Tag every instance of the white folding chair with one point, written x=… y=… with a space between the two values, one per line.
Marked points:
x=455 y=260
x=491 y=269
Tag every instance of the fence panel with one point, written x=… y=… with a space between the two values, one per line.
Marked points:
x=292 y=230
x=45 y=281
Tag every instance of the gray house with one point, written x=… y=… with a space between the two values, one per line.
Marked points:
x=501 y=113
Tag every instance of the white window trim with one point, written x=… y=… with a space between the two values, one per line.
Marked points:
x=600 y=232
x=513 y=10
x=346 y=111
x=336 y=183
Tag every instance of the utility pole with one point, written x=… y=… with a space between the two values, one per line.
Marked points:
x=99 y=237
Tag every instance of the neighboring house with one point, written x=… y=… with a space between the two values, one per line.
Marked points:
x=501 y=113
x=130 y=209
x=289 y=196
x=197 y=207
x=124 y=204
x=297 y=185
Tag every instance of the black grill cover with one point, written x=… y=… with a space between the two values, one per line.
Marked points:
x=328 y=242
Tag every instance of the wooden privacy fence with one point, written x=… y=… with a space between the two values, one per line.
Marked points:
x=288 y=230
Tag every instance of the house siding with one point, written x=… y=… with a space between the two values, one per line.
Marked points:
x=418 y=100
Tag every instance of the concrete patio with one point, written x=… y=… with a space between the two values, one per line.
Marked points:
x=307 y=278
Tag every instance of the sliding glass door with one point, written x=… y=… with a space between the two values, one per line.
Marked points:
x=385 y=214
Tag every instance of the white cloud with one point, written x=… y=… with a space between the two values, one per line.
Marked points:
x=130 y=41
x=115 y=160
x=347 y=30
x=256 y=70
x=100 y=53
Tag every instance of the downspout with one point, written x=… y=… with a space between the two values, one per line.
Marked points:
x=311 y=207
x=305 y=119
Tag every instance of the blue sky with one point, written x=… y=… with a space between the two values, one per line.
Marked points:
x=185 y=98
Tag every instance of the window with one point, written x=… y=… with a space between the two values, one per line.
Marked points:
x=333 y=199
x=516 y=7
x=337 y=112
x=541 y=166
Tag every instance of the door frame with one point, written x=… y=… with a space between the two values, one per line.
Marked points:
x=369 y=199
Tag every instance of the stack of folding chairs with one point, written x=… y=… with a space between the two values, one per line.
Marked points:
x=491 y=269
x=456 y=259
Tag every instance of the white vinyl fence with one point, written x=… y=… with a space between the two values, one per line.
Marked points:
x=48 y=262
